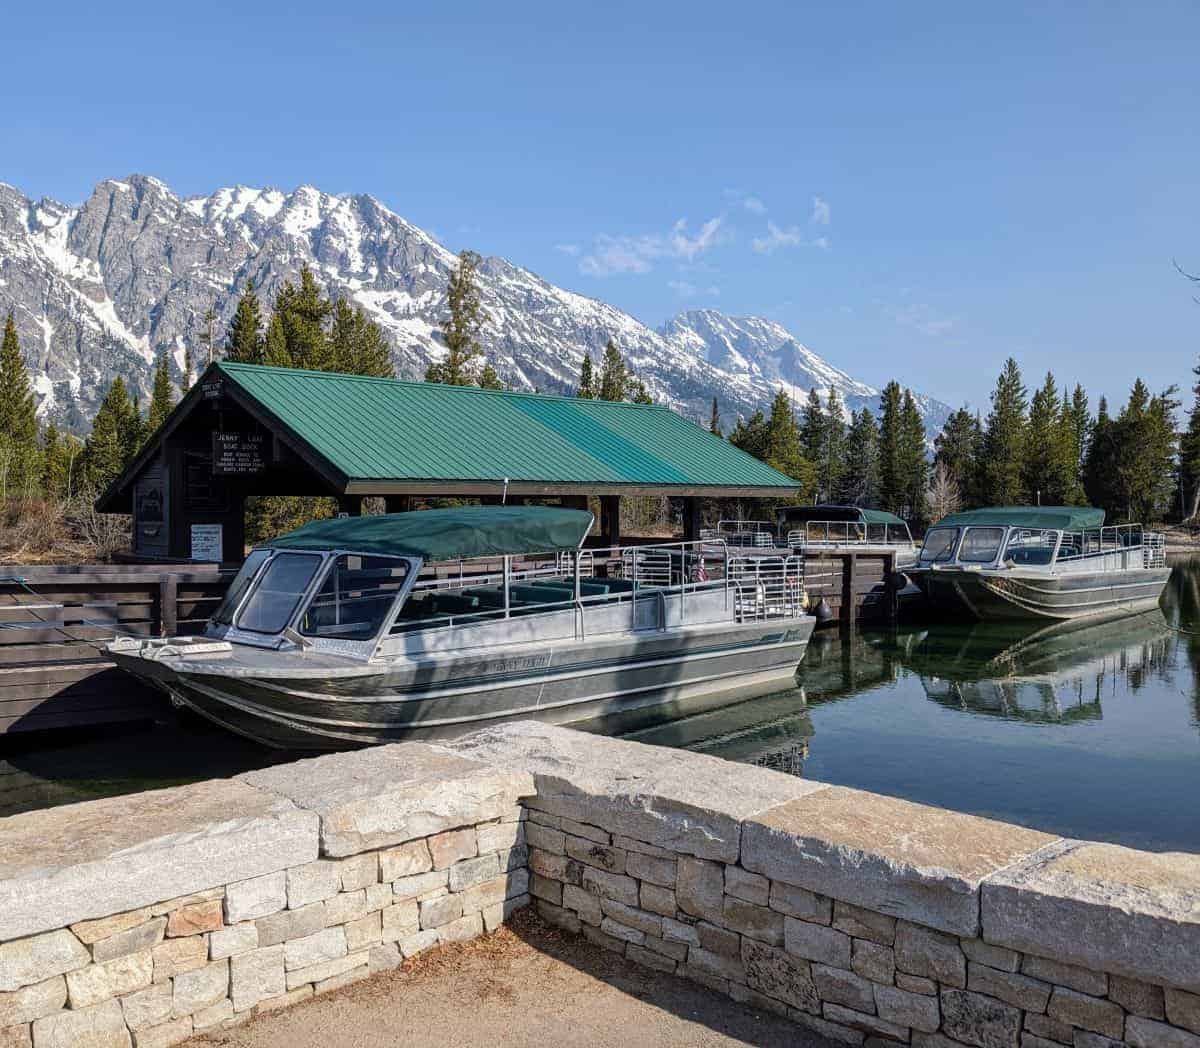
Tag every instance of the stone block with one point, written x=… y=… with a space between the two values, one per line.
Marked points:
x=864 y=924
x=1030 y=995
x=680 y=801
x=657 y=899
x=281 y=1001
x=1073 y=977
x=345 y=907
x=452 y=846
x=215 y=1014
x=1084 y=1039
x=556 y=867
x=1143 y=999
x=400 y=920
x=648 y=958
x=99 y=982
x=546 y=838
x=869 y=1024
x=1091 y=1013
x=873 y=961
x=918 y=1011
x=1141 y=910
x=922 y=951
x=256 y=976
x=134 y=940
x=360 y=871
x=40 y=957
x=544 y=888
x=88 y=932
x=195 y=919
x=583 y=829
x=437 y=912
x=386 y=795
x=716 y=964
x=1183 y=1009
x=85 y=861
x=148 y=1007
x=417 y=943
x=978 y=1020
x=843 y=987
x=468 y=926
x=179 y=955
x=326 y=945
x=801 y=903
x=384 y=957
x=757 y=922
x=379 y=897
x=162 y=909
x=255 y=897
x=290 y=924
x=406 y=860
x=100 y=1026
x=32 y=1002
x=336 y=982
x=16 y=1036
x=610 y=885
x=500 y=836
x=559 y=917
x=1146 y=1033
x=750 y=887
x=719 y=940
x=816 y=942
x=651 y=869
x=834 y=1032
x=916 y=984
x=420 y=884
x=197 y=990
x=487 y=893
x=676 y=951
x=602 y=939
x=678 y=931
x=648 y=923
x=366 y=931
x=323 y=970
x=1050 y=1029
x=700 y=889
x=993 y=956
x=470 y=872
x=590 y=853
x=884 y=854
x=614 y=928
x=313 y=882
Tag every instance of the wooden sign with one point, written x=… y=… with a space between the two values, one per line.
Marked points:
x=212 y=389
x=237 y=454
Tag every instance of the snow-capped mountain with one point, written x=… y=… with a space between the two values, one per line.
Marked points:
x=101 y=289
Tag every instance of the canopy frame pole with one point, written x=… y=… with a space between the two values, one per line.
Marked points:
x=579 y=617
x=507 y=582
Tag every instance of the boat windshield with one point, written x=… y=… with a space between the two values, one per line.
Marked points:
x=1030 y=546
x=355 y=597
x=980 y=545
x=272 y=602
x=241 y=583
x=939 y=545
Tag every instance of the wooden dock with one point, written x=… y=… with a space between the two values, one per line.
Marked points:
x=54 y=619
x=844 y=575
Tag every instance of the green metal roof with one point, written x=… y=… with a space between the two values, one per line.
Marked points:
x=822 y=512
x=384 y=429
x=447 y=534
x=1054 y=518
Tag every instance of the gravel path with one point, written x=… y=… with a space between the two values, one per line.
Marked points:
x=525 y=985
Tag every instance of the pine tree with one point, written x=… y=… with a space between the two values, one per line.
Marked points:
x=751 y=435
x=1070 y=442
x=305 y=313
x=639 y=394
x=813 y=427
x=914 y=465
x=956 y=448
x=244 y=341
x=488 y=379
x=1141 y=455
x=1100 y=459
x=110 y=445
x=860 y=480
x=832 y=464
x=1045 y=467
x=357 y=346
x=1189 y=456
x=275 y=347
x=614 y=376
x=60 y=463
x=161 y=398
x=188 y=376
x=460 y=329
x=207 y=337
x=891 y=469
x=714 y=424
x=782 y=446
x=20 y=468
x=586 y=379
x=1004 y=442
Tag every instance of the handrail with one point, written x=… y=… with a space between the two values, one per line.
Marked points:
x=826 y=533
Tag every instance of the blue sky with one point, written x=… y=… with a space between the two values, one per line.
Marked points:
x=916 y=191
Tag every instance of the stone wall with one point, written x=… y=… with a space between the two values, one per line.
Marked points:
x=298 y=880
x=140 y=920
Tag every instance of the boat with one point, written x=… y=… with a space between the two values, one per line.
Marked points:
x=370 y=629
x=825 y=527
x=1039 y=563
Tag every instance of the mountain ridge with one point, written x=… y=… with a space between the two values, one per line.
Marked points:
x=102 y=288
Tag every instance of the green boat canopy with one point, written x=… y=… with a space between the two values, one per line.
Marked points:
x=1052 y=518
x=854 y=514
x=447 y=534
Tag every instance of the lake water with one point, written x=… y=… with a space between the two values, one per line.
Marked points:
x=1091 y=732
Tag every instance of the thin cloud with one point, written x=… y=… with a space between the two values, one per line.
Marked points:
x=611 y=255
x=778 y=237
x=752 y=203
x=567 y=249
x=821 y=213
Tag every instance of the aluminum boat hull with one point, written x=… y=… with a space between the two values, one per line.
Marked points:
x=335 y=707
x=1015 y=595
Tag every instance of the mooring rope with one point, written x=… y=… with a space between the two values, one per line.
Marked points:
x=40 y=623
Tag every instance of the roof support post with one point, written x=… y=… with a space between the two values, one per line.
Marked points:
x=692 y=506
x=351 y=505
x=610 y=513
x=397 y=503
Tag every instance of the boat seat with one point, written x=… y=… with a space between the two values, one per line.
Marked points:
x=541 y=594
x=455 y=603
x=1030 y=556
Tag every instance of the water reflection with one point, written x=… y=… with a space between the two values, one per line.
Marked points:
x=1084 y=730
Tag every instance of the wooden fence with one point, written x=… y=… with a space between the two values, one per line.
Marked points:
x=54 y=621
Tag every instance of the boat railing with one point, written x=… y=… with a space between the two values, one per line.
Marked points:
x=759 y=534
x=1115 y=547
x=826 y=534
x=767 y=587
